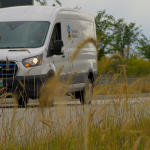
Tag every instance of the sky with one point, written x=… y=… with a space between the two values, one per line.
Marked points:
x=131 y=10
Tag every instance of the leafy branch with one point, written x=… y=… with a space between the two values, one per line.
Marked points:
x=42 y=3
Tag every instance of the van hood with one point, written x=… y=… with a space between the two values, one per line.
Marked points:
x=18 y=54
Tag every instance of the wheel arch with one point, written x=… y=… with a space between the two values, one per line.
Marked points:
x=91 y=75
x=50 y=73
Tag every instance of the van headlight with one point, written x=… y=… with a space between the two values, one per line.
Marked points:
x=33 y=61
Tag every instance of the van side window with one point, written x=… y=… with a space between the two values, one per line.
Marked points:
x=56 y=35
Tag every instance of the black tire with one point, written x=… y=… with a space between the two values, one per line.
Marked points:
x=86 y=95
x=22 y=100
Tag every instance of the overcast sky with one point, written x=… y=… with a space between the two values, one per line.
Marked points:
x=131 y=10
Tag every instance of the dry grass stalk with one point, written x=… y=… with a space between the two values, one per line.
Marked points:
x=22 y=85
x=43 y=120
x=97 y=80
x=136 y=82
x=59 y=72
x=126 y=125
x=5 y=95
x=28 y=71
x=7 y=63
x=114 y=56
x=147 y=145
x=68 y=130
x=139 y=106
x=86 y=129
x=136 y=145
x=104 y=107
x=112 y=115
x=70 y=78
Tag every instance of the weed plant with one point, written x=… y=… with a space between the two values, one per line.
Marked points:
x=122 y=123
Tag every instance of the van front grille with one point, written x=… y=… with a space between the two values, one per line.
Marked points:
x=8 y=70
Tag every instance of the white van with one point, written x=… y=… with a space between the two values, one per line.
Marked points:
x=50 y=36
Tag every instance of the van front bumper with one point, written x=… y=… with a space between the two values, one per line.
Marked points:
x=30 y=84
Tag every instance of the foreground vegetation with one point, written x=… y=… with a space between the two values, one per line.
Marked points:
x=114 y=125
x=119 y=124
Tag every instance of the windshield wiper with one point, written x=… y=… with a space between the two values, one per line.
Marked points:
x=10 y=47
x=23 y=50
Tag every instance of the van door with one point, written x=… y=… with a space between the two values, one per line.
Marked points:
x=71 y=41
x=58 y=60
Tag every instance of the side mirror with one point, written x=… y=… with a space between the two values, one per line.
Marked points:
x=57 y=47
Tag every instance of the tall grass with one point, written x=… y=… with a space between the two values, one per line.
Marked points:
x=113 y=124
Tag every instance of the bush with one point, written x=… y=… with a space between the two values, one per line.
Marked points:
x=135 y=67
x=111 y=67
x=138 y=67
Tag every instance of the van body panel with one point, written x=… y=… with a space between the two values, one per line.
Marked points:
x=16 y=54
x=26 y=13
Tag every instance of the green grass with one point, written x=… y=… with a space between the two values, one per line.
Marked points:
x=115 y=125
x=110 y=132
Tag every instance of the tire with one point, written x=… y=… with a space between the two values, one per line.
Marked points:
x=86 y=95
x=22 y=100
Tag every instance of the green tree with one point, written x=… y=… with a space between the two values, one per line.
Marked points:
x=59 y=3
x=115 y=35
x=124 y=35
x=77 y=7
x=144 y=47
x=104 y=24
x=42 y=2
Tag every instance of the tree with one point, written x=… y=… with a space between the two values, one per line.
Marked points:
x=103 y=29
x=59 y=3
x=115 y=35
x=144 y=47
x=77 y=7
x=124 y=35
x=42 y=3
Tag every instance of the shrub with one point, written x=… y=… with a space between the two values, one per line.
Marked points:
x=136 y=67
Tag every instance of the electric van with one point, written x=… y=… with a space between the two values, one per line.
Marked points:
x=35 y=41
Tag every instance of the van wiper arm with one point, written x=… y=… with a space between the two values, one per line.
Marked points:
x=22 y=50
x=10 y=47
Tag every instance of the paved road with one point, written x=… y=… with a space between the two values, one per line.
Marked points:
x=21 y=120
x=9 y=102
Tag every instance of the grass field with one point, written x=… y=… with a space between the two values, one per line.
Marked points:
x=116 y=125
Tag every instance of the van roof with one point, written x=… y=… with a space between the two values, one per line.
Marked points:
x=32 y=13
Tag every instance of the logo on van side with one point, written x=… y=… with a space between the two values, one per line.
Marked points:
x=69 y=34
x=72 y=33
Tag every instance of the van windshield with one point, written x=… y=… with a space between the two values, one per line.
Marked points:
x=23 y=34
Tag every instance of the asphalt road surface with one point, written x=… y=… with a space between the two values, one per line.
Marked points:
x=63 y=113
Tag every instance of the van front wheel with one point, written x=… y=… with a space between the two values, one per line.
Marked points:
x=22 y=100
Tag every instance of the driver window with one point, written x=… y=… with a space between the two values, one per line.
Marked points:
x=56 y=35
